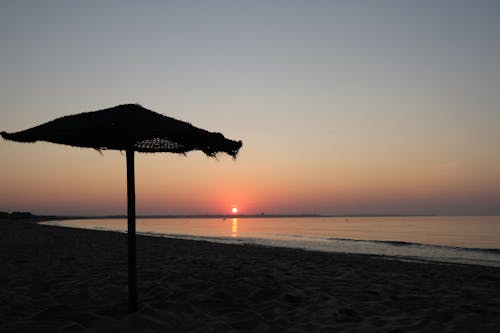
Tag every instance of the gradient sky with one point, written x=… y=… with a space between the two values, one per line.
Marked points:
x=342 y=106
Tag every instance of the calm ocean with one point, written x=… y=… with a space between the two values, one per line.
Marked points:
x=455 y=239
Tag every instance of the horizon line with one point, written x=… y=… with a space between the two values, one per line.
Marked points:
x=26 y=214
x=29 y=215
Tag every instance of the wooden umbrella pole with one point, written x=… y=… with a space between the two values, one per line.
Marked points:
x=132 y=271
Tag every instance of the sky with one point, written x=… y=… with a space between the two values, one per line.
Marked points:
x=343 y=107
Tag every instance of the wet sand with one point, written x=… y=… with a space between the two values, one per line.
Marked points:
x=60 y=279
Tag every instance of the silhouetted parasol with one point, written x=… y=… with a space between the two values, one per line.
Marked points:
x=131 y=128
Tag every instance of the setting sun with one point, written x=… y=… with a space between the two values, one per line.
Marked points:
x=234 y=210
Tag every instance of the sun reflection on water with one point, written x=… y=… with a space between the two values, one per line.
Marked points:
x=234 y=228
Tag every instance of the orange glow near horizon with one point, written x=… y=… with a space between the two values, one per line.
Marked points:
x=234 y=210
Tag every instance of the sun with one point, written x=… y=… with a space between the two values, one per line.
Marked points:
x=234 y=210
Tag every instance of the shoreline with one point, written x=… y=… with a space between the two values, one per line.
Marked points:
x=394 y=250
x=211 y=240
x=75 y=279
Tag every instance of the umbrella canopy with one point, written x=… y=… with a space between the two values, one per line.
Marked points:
x=132 y=128
x=128 y=126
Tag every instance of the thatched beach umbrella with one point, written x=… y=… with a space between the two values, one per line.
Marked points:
x=131 y=128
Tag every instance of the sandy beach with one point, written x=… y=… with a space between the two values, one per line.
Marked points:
x=60 y=279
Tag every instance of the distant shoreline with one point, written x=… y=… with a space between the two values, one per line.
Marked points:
x=28 y=217
x=227 y=216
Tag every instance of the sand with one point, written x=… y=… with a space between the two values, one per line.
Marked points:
x=60 y=279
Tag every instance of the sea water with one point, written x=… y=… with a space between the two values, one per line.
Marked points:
x=451 y=239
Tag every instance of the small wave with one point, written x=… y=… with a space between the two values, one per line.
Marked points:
x=215 y=239
x=408 y=244
x=288 y=235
